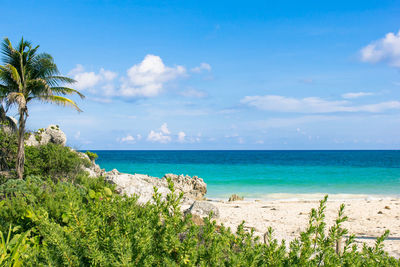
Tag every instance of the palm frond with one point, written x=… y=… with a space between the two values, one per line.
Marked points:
x=16 y=98
x=66 y=91
x=14 y=75
x=7 y=50
x=38 y=87
x=23 y=44
x=58 y=80
x=59 y=100
x=7 y=82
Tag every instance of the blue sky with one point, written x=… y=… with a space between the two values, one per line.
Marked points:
x=220 y=74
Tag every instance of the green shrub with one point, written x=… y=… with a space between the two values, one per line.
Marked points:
x=13 y=249
x=92 y=156
x=55 y=161
x=8 y=150
x=49 y=160
x=86 y=223
x=38 y=137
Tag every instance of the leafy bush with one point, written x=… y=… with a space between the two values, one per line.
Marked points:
x=8 y=150
x=92 y=156
x=86 y=224
x=13 y=250
x=50 y=160
x=55 y=161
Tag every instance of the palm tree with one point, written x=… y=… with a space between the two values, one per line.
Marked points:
x=25 y=76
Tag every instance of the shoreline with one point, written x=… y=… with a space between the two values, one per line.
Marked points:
x=369 y=216
x=367 y=219
x=295 y=197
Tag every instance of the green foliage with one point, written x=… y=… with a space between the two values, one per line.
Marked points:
x=55 y=161
x=92 y=156
x=13 y=250
x=38 y=137
x=50 y=160
x=87 y=223
x=8 y=150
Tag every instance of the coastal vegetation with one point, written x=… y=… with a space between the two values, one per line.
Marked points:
x=27 y=75
x=58 y=216
x=53 y=214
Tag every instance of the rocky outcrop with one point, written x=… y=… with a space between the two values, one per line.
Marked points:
x=11 y=126
x=143 y=185
x=235 y=197
x=94 y=169
x=203 y=209
x=192 y=187
x=51 y=134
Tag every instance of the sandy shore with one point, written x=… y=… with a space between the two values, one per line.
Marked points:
x=368 y=218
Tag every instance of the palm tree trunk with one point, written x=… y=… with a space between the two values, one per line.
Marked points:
x=21 y=144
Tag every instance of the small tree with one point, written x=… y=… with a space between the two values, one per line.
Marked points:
x=25 y=76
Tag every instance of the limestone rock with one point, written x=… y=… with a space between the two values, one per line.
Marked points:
x=94 y=169
x=8 y=128
x=192 y=187
x=235 y=197
x=51 y=134
x=137 y=184
x=203 y=209
x=143 y=185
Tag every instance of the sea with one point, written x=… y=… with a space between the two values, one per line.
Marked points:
x=271 y=175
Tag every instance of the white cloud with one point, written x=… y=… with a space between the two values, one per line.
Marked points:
x=162 y=136
x=88 y=80
x=143 y=80
x=127 y=139
x=77 y=135
x=147 y=78
x=356 y=95
x=313 y=105
x=201 y=67
x=386 y=49
x=164 y=128
x=158 y=137
x=181 y=137
x=193 y=93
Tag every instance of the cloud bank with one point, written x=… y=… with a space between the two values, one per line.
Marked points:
x=313 y=105
x=356 y=95
x=143 y=80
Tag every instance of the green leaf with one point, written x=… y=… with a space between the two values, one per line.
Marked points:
x=92 y=194
x=107 y=192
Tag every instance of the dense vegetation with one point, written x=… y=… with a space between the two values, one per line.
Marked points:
x=57 y=216
x=25 y=76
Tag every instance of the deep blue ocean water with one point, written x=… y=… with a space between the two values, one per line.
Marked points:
x=265 y=174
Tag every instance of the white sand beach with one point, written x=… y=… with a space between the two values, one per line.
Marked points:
x=368 y=218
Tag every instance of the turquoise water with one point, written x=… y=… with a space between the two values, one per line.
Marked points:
x=270 y=174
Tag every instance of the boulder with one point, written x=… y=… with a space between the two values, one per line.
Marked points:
x=136 y=184
x=235 y=197
x=143 y=185
x=203 y=209
x=94 y=169
x=192 y=187
x=51 y=134
x=9 y=129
